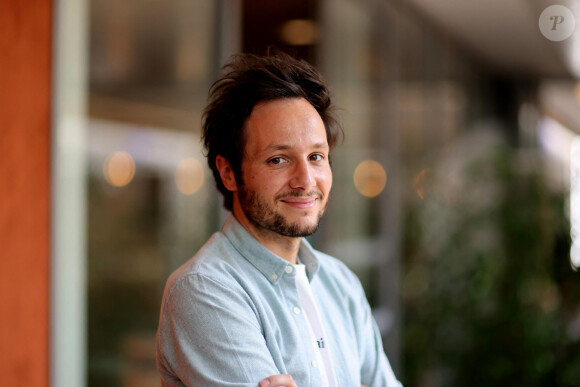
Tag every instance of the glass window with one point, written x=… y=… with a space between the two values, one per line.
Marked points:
x=445 y=201
x=151 y=199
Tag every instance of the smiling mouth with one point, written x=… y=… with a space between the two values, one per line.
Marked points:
x=301 y=202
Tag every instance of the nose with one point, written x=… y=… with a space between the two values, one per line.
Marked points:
x=302 y=176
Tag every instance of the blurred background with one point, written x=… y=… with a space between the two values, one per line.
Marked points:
x=456 y=195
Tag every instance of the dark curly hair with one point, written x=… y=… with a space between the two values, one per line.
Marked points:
x=247 y=80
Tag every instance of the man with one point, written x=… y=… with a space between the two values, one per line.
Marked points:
x=257 y=305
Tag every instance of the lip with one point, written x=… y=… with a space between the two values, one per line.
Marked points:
x=300 y=202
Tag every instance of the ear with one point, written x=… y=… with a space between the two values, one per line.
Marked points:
x=226 y=173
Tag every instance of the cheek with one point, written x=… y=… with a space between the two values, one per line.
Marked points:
x=263 y=184
x=325 y=179
x=251 y=176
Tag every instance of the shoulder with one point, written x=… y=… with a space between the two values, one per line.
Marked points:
x=217 y=262
x=331 y=268
x=329 y=262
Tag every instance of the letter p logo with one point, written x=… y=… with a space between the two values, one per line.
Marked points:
x=557 y=23
x=557 y=20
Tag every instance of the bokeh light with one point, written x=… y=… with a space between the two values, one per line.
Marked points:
x=119 y=169
x=299 y=32
x=421 y=181
x=189 y=176
x=370 y=178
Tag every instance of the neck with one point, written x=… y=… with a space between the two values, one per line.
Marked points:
x=283 y=246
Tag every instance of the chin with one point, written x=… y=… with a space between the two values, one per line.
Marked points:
x=299 y=232
x=304 y=221
x=302 y=227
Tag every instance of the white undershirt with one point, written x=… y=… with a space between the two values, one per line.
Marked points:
x=315 y=327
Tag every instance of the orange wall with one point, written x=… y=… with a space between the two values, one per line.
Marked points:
x=25 y=75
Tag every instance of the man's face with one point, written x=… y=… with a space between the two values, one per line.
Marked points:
x=285 y=169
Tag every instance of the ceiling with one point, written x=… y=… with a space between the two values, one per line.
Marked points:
x=504 y=33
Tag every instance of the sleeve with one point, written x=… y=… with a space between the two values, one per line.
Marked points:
x=209 y=335
x=376 y=371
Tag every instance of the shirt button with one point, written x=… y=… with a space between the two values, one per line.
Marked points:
x=274 y=276
x=296 y=310
x=289 y=269
x=314 y=364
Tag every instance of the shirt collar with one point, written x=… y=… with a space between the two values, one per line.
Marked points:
x=269 y=264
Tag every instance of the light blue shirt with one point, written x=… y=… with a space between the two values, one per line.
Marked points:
x=231 y=316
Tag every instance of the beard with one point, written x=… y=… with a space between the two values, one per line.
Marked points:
x=266 y=217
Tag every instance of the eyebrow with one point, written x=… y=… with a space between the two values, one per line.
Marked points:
x=277 y=147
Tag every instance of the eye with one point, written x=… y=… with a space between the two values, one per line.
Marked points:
x=317 y=157
x=277 y=161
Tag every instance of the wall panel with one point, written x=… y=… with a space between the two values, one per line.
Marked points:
x=25 y=88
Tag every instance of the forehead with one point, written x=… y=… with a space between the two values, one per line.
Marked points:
x=289 y=122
